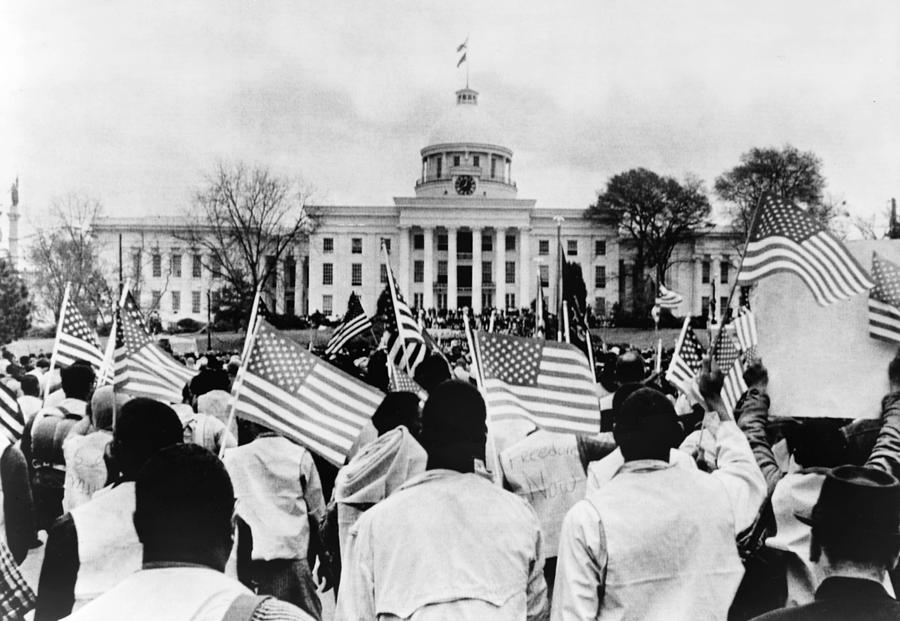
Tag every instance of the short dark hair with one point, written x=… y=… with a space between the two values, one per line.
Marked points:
x=30 y=385
x=183 y=499
x=454 y=427
x=144 y=427
x=630 y=367
x=77 y=380
x=398 y=408
x=432 y=371
x=646 y=425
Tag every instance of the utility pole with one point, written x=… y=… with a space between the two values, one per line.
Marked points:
x=121 y=281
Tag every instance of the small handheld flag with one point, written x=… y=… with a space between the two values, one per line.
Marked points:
x=668 y=298
x=884 y=300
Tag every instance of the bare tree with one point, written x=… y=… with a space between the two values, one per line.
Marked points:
x=245 y=220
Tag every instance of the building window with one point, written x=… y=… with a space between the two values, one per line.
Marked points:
x=356 y=275
x=176 y=265
x=545 y=275
x=136 y=266
x=195 y=302
x=476 y=161
x=288 y=302
x=356 y=245
x=439 y=166
x=419 y=241
x=724 y=269
x=418 y=300
x=418 y=271
x=510 y=242
x=214 y=298
x=543 y=247
x=456 y=160
x=327 y=273
x=386 y=242
x=704 y=305
x=599 y=276
x=271 y=271
x=196 y=267
x=215 y=265
x=706 y=269
x=487 y=299
x=157 y=265
x=442 y=242
x=600 y=306
x=442 y=272
x=327 y=304
x=571 y=247
x=487 y=271
x=290 y=273
x=487 y=242
x=155 y=297
x=493 y=167
x=176 y=301
x=510 y=272
x=442 y=301
x=382 y=276
x=510 y=300
x=599 y=247
x=327 y=245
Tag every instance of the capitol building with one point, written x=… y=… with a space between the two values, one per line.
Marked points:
x=464 y=238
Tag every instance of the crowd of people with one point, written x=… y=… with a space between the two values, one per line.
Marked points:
x=674 y=510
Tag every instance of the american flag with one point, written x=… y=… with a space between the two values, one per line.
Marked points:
x=355 y=322
x=745 y=329
x=75 y=340
x=785 y=239
x=728 y=357
x=884 y=300
x=12 y=423
x=407 y=346
x=545 y=382
x=294 y=393
x=399 y=381
x=142 y=368
x=668 y=298
x=686 y=360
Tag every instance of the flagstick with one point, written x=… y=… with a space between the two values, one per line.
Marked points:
x=658 y=356
x=393 y=288
x=565 y=320
x=253 y=312
x=53 y=355
x=235 y=389
x=494 y=453
x=753 y=222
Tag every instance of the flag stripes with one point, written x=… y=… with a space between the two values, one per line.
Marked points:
x=884 y=321
x=407 y=346
x=75 y=340
x=12 y=423
x=354 y=323
x=884 y=300
x=745 y=329
x=668 y=298
x=728 y=357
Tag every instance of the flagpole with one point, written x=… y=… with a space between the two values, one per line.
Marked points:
x=476 y=365
x=236 y=387
x=253 y=312
x=53 y=355
x=393 y=288
x=565 y=320
x=753 y=222
x=559 y=275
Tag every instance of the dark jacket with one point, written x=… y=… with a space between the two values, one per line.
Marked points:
x=842 y=599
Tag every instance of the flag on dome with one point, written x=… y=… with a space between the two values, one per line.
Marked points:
x=463 y=46
x=300 y=396
x=462 y=59
x=12 y=423
x=75 y=340
x=728 y=357
x=686 y=360
x=884 y=300
x=546 y=382
x=142 y=367
x=354 y=323
x=785 y=239
x=668 y=298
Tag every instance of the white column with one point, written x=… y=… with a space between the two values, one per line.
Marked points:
x=476 y=270
x=525 y=275
x=698 y=285
x=451 y=268
x=403 y=267
x=500 y=268
x=429 y=268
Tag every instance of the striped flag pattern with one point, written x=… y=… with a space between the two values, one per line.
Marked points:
x=407 y=346
x=884 y=300
x=142 y=368
x=12 y=423
x=546 y=382
x=294 y=393
x=745 y=329
x=785 y=239
x=668 y=298
x=355 y=322
x=686 y=360
x=75 y=340
x=728 y=357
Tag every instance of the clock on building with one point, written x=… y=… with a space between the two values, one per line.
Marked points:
x=465 y=184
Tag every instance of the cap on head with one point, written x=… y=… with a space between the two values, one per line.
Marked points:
x=857 y=499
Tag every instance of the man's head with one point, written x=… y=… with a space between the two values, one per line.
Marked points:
x=398 y=408
x=856 y=521
x=184 y=503
x=30 y=386
x=629 y=367
x=646 y=426
x=77 y=381
x=106 y=404
x=432 y=371
x=454 y=431
x=143 y=427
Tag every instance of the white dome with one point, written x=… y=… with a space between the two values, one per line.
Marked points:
x=466 y=122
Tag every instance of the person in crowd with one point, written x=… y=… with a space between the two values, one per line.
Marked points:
x=95 y=546
x=42 y=441
x=17 y=510
x=85 y=447
x=658 y=541
x=629 y=370
x=432 y=371
x=203 y=429
x=280 y=507
x=856 y=540
x=30 y=401
x=183 y=509
x=449 y=544
x=16 y=596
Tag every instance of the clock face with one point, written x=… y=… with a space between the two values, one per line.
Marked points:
x=465 y=184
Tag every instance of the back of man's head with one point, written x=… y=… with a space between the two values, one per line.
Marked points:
x=454 y=430
x=646 y=426
x=630 y=367
x=184 y=505
x=432 y=371
x=398 y=408
x=817 y=442
x=30 y=386
x=77 y=380
x=143 y=427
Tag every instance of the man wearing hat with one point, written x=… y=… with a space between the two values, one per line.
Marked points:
x=856 y=541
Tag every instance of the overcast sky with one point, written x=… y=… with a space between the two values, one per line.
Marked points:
x=131 y=103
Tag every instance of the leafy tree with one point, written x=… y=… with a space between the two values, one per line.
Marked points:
x=15 y=305
x=786 y=172
x=65 y=251
x=247 y=220
x=657 y=213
